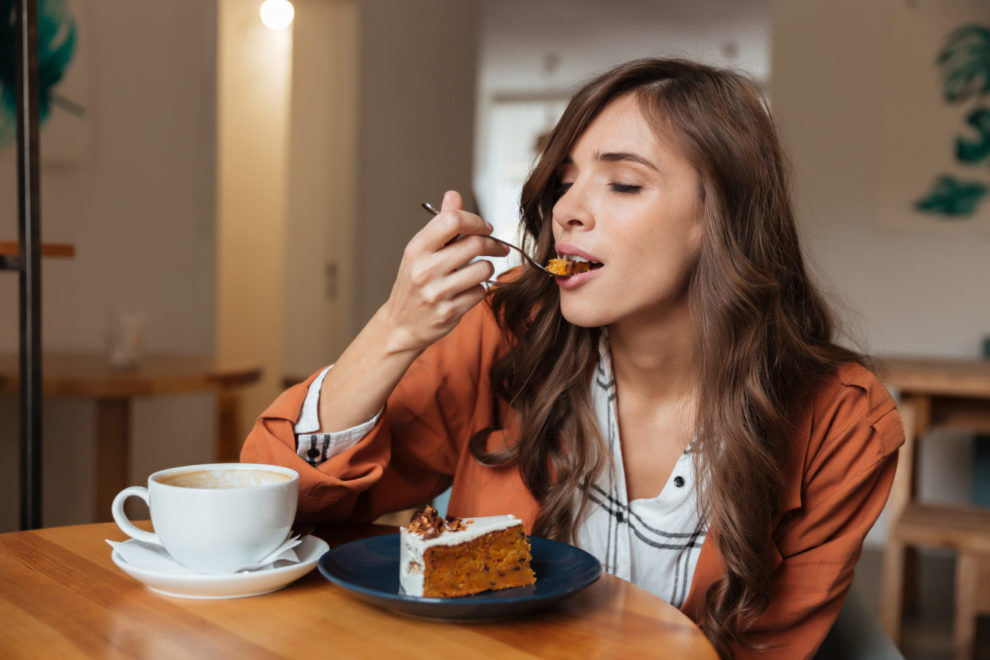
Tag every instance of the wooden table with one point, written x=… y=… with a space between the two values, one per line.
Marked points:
x=89 y=375
x=62 y=596
x=937 y=393
x=13 y=249
x=10 y=253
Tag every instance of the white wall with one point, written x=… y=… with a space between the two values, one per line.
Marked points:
x=139 y=208
x=254 y=81
x=915 y=287
x=381 y=119
x=909 y=289
x=324 y=166
x=320 y=250
x=416 y=94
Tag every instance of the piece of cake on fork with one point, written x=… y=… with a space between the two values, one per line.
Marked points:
x=458 y=557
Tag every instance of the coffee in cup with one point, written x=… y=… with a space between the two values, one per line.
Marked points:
x=216 y=518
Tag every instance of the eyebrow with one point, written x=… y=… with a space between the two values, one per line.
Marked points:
x=612 y=157
x=618 y=157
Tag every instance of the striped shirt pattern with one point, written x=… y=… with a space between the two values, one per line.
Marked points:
x=315 y=447
x=654 y=543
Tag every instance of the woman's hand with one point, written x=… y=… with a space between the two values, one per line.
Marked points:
x=433 y=290
x=436 y=285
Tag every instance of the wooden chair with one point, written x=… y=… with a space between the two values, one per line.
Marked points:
x=972 y=598
x=951 y=394
x=965 y=530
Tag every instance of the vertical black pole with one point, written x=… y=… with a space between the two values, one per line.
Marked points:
x=30 y=267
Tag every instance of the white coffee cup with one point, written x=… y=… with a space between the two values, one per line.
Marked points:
x=216 y=518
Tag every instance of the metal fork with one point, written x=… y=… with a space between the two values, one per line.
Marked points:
x=429 y=207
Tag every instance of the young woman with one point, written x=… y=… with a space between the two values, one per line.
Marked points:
x=680 y=410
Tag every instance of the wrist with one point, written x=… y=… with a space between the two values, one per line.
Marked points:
x=396 y=340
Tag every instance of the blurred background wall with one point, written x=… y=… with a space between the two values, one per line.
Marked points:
x=252 y=190
x=905 y=283
x=139 y=204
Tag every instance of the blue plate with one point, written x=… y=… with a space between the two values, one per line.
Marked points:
x=369 y=569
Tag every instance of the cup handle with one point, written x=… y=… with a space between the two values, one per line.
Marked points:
x=121 y=518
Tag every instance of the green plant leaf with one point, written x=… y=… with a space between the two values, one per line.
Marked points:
x=965 y=63
x=952 y=198
x=971 y=152
x=57 y=34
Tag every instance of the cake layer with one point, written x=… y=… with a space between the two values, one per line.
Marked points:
x=460 y=557
x=497 y=560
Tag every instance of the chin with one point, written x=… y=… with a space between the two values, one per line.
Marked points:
x=585 y=317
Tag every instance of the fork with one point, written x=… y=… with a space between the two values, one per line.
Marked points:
x=429 y=207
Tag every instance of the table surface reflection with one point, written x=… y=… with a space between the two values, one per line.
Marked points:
x=62 y=596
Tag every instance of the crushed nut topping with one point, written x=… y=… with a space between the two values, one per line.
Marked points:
x=429 y=525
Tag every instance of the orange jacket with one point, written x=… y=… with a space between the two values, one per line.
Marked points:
x=837 y=476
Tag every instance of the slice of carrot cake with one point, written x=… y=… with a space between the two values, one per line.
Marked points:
x=458 y=557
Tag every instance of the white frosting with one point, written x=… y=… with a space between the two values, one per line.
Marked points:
x=412 y=547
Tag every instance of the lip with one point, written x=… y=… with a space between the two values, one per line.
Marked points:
x=574 y=281
x=568 y=250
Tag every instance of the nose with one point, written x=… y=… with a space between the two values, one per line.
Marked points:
x=572 y=211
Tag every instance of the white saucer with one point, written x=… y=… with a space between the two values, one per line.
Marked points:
x=236 y=585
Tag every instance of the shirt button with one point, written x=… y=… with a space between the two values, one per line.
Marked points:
x=679 y=481
x=313 y=453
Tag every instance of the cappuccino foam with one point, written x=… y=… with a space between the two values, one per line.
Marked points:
x=224 y=478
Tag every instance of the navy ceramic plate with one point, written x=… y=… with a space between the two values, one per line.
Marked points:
x=369 y=569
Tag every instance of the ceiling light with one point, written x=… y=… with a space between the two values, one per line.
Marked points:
x=277 y=14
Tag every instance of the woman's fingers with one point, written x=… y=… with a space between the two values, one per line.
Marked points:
x=466 y=277
x=441 y=273
x=450 y=240
x=467 y=248
x=457 y=266
x=451 y=223
x=450 y=226
x=444 y=276
x=452 y=201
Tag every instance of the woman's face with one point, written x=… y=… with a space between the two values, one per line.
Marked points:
x=630 y=203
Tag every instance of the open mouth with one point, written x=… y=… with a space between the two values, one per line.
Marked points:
x=565 y=266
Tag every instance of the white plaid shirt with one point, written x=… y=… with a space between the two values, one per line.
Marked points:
x=653 y=543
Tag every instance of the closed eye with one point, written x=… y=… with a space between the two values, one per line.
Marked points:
x=625 y=189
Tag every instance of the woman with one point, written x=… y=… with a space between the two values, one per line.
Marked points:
x=680 y=410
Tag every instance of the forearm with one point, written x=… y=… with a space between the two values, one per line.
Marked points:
x=437 y=283
x=364 y=376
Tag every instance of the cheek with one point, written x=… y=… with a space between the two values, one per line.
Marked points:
x=667 y=258
x=694 y=242
x=665 y=248
x=690 y=233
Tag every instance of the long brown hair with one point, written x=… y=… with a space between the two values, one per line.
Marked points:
x=764 y=337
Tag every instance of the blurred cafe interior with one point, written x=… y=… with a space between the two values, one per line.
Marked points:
x=227 y=203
